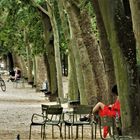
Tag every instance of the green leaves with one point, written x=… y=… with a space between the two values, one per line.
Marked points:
x=17 y=16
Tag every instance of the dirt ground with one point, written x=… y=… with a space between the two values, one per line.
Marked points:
x=16 y=108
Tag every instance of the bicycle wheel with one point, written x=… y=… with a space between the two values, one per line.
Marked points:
x=3 y=86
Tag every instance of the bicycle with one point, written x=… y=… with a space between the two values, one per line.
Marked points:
x=2 y=84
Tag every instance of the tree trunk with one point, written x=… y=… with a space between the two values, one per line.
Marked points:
x=49 y=56
x=122 y=42
x=135 y=10
x=34 y=71
x=41 y=72
x=10 y=62
x=29 y=57
x=73 y=49
x=83 y=65
x=19 y=62
x=29 y=63
x=73 y=91
x=94 y=54
x=105 y=51
x=56 y=48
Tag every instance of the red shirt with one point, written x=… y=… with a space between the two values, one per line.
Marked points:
x=110 y=111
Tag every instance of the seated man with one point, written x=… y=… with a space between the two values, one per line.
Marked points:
x=17 y=73
x=107 y=110
x=14 y=75
x=45 y=87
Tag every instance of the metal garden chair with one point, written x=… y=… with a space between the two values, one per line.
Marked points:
x=41 y=119
x=77 y=113
x=38 y=120
x=112 y=125
x=54 y=118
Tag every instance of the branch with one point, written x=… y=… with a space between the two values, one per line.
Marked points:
x=84 y=3
x=40 y=8
x=74 y=3
x=78 y=4
x=49 y=4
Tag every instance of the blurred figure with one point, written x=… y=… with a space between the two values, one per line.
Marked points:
x=14 y=75
x=2 y=66
x=18 y=137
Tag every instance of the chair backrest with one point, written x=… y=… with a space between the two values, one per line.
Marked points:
x=80 y=111
x=106 y=121
x=74 y=103
x=45 y=108
x=54 y=113
x=54 y=110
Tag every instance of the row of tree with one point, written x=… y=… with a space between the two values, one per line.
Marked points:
x=100 y=38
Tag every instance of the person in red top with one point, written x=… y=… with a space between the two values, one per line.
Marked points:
x=107 y=110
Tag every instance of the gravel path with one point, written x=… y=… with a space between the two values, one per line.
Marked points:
x=16 y=108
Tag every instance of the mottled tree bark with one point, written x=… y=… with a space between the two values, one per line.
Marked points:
x=29 y=63
x=83 y=65
x=41 y=75
x=34 y=71
x=29 y=56
x=20 y=62
x=122 y=41
x=94 y=54
x=49 y=56
x=135 y=10
x=56 y=48
x=72 y=76
x=105 y=51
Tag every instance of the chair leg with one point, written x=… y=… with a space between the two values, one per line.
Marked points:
x=95 y=130
x=60 y=128
x=92 y=131
x=44 y=134
x=30 y=132
x=41 y=131
x=65 y=131
x=71 y=131
x=82 y=131
x=52 y=131
x=76 y=132
x=68 y=131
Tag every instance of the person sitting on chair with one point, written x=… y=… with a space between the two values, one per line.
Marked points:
x=107 y=110
x=15 y=75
